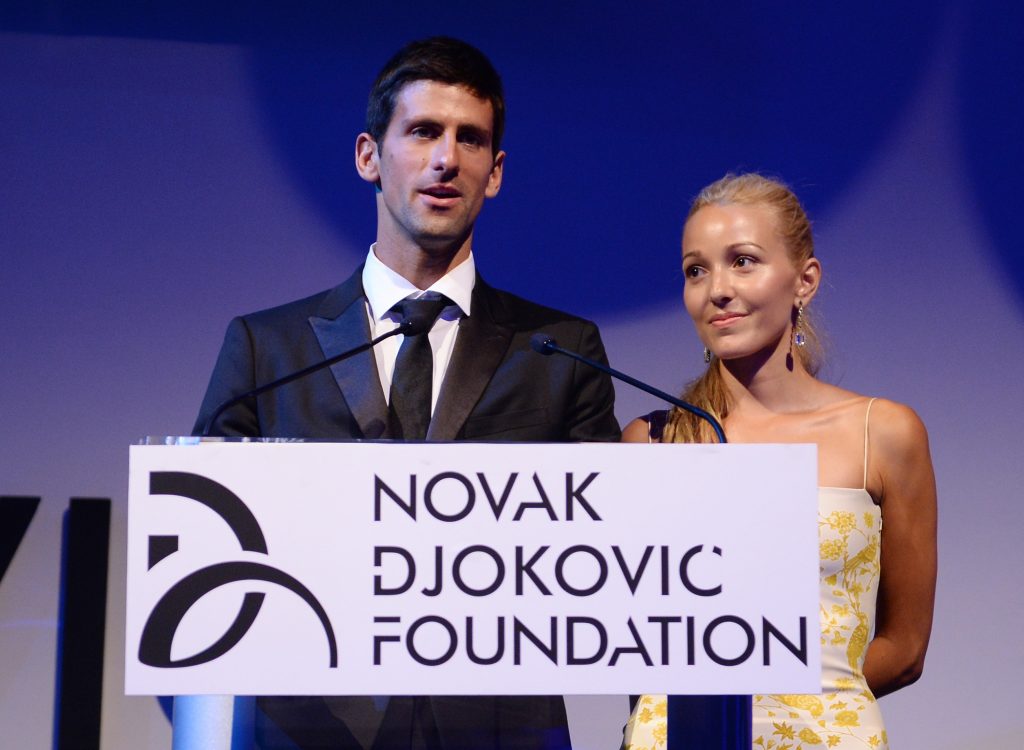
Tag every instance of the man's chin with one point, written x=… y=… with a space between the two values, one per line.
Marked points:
x=441 y=242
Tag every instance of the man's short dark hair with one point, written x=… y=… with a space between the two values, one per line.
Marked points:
x=440 y=59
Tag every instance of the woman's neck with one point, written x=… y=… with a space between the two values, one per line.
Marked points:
x=775 y=383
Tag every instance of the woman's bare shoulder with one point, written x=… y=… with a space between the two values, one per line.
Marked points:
x=896 y=430
x=637 y=431
x=832 y=398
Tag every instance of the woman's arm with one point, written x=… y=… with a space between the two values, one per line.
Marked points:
x=637 y=431
x=901 y=476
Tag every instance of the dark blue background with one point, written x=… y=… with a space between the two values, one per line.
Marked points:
x=167 y=165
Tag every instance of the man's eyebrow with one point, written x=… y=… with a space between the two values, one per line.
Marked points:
x=421 y=120
x=472 y=128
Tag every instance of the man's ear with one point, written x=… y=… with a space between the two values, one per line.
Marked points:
x=497 y=172
x=368 y=158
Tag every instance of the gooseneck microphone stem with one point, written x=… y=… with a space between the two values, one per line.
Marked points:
x=544 y=344
x=409 y=327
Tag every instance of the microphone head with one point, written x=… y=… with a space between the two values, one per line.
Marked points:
x=417 y=322
x=542 y=343
x=419 y=315
x=412 y=325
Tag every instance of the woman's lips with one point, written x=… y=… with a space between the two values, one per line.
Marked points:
x=725 y=320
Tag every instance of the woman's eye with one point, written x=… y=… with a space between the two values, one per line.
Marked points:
x=744 y=261
x=692 y=272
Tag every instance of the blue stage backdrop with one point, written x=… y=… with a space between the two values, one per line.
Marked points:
x=167 y=165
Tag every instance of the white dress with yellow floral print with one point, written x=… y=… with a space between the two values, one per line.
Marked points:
x=845 y=715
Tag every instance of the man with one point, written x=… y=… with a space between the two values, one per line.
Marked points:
x=432 y=150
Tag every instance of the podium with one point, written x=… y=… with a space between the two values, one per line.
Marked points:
x=485 y=569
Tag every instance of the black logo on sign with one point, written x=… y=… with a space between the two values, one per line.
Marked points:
x=158 y=632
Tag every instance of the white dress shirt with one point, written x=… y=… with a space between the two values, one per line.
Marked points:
x=384 y=288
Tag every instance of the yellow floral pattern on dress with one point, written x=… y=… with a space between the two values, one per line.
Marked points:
x=648 y=726
x=845 y=715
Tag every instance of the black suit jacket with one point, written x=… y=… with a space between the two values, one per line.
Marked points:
x=496 y=388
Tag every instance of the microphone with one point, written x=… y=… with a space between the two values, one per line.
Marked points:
x=411 y=325
x=415 y=322
x=544 y=344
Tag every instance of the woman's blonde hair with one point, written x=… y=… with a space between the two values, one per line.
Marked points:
x=709 y=391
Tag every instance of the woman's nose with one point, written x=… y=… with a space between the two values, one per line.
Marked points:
x=721 y=287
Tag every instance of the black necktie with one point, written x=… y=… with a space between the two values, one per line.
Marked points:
x=412 y=382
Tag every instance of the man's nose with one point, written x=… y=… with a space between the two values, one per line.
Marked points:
x=446 y=153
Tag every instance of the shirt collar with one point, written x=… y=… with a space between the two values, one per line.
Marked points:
x=384 y=287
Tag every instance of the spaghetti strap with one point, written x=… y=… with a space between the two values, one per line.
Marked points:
x=867 y=415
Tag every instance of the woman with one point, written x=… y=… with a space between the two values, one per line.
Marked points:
x=750 y=276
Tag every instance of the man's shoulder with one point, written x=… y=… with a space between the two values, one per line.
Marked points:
x=328 y=303
x=299 y=309
x=522 y=314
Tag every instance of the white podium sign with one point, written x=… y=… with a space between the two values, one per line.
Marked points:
x=374 y=569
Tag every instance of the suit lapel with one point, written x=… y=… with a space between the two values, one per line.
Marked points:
x=479 y=348
x=341 y=325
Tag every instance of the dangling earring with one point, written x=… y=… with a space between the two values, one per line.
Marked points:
x=799 y=338
x=707 y=355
